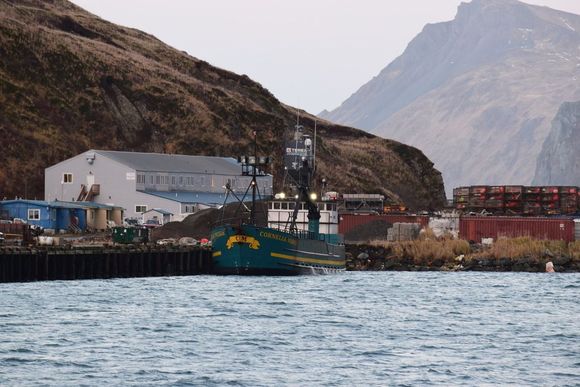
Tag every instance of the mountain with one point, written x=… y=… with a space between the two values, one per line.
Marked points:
x=70 y=81
x=477 y=93
x=559 y=160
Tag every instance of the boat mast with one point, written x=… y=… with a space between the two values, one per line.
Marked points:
x=254 y=183
x=303 y=167
x=314 y=150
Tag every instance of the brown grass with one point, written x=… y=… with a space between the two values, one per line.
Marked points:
x=574 y=250
x=523 y=247
x=428 y=249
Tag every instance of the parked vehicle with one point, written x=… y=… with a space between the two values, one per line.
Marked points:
x=151 y=223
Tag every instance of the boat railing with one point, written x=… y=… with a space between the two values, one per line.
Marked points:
x=328 y=238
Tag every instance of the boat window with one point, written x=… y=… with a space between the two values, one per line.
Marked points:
x=291 y=205
x=276 y=205
x=321 y=206
x=270 y=205
x=284 y=206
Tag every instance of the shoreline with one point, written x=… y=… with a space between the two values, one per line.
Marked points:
x=461 y=256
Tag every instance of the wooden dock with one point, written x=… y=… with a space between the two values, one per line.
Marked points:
x=19 y=264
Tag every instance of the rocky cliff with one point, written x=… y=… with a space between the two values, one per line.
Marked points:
x=71 y=81
x=559 y=160
x=476 y=94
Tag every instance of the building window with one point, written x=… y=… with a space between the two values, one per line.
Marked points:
x=140 y=178
x=172 y=180
x=34 y=214
x=189 y=208
x=151 y=179
x=140 y=208
x=67 y=178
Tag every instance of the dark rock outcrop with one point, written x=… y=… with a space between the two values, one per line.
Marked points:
x=559 y=160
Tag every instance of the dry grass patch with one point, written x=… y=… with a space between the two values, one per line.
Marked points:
x=425 y=250
x=574 y=250
x=523 y=247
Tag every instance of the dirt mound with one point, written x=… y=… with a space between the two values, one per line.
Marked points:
x=367 y=232
x=200 y=224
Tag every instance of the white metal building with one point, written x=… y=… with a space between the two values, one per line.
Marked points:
x=138 y=182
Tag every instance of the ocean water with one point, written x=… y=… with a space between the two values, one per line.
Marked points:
x=351 y=329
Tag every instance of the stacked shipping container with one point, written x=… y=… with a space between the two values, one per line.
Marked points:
x=474 y=228
x=518 y=200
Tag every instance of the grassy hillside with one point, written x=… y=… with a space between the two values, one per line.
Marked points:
x=71 y=81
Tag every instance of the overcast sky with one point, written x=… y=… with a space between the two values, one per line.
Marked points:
x=311 y=54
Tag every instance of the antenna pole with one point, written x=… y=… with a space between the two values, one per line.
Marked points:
x=314 y=151
x=253 y=209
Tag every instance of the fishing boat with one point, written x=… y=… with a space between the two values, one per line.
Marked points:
x=291 y=243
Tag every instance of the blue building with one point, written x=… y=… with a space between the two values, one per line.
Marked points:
x=62 y=216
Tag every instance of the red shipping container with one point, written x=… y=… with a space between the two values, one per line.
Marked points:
x=12 y=228
x=350 y=221
x=476 y=228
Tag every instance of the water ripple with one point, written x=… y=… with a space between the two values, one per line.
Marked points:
x=350 y=329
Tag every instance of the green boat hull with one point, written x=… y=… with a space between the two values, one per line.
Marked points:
x=252 y=250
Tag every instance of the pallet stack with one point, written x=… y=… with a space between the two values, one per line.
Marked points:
x=569 y=199
x=514 y=199
x=518 y=199
x=461 y=198
x=532 y=201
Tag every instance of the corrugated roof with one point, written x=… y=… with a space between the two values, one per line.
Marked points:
x=161 y=162
x=160 y=210
x=193 y=197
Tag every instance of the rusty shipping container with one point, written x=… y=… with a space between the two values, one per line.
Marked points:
x=476 y=228
x=347 y=222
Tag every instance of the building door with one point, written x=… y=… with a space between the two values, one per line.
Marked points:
x=90 y=181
